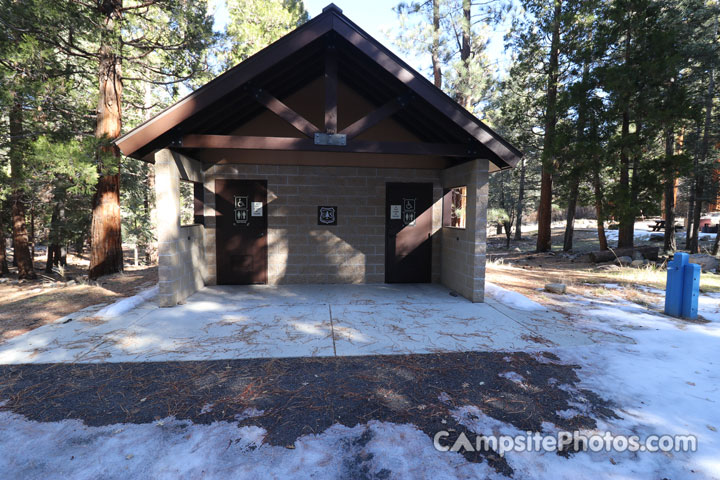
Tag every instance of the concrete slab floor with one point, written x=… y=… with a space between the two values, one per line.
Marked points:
x=226 y=322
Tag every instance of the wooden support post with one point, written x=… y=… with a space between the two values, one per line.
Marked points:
x=331 y=89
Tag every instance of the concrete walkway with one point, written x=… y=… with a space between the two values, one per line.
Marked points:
x=226 y=322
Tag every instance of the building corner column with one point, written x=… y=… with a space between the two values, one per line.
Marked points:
x=167 y=192
x=479 y=246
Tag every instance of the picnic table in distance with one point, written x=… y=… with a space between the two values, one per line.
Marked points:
x=660 y=226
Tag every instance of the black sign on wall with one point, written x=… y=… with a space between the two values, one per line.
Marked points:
x=327 y=215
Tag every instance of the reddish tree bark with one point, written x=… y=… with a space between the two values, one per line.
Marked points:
x=105 y=234
x=21 y=247
x=3 y=252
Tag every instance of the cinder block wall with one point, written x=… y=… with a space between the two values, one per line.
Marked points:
x=181 y=252
x=299 y=250
x=463 y=250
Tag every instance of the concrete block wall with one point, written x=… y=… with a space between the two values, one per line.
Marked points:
x=299 y=250
x=181 y=253
x=463 y=250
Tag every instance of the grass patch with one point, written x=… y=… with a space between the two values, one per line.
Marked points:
x=656 y=277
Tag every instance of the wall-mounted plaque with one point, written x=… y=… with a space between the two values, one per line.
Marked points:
x=395 y=212
x=327 y=215
x=257 y=208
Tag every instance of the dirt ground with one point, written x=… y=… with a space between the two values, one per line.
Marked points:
x=26 y=305
x=522 y=269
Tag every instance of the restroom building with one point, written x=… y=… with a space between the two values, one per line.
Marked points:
x=324 y=158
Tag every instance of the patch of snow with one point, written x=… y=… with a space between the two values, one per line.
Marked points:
x=180 y=449
x=124 y=305
x=510 y=298
x=512 y=376
x=655 y=291
x=249 y=413
x=709 y=306
x=444 y=397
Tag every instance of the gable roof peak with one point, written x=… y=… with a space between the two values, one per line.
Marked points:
x=331 y=7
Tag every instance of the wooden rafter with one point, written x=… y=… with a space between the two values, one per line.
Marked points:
x=376 y=116
x=283 y=111
x=235 y=142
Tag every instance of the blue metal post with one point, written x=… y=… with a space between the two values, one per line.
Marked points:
x=691 y=290
x=674 y=285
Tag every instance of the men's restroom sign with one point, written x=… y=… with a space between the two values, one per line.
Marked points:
x=327 y=215
x=241 y=216
x=408 y=212
x=241 y=209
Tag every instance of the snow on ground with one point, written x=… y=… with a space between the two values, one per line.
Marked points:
x=667 y=382
x=645 y=235
x=511 y=298
x=126 y=304
x=171 y=449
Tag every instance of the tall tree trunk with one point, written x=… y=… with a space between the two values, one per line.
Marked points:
x=544 y=239
x=693 y=193
x=670 y=244
x=576 y=172
x=572 y=206
x=437 y=72
x=56 y=240
x=31 y=233
x=106 y=242
x=20 y=235
x=465 y=51
x=599 y=208
x=626 y=229
x=704 y=146
x=3 y=251
x=699 y=188
x=520 y=201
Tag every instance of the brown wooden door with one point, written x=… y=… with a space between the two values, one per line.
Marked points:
x=408 y=232
x=241 y=235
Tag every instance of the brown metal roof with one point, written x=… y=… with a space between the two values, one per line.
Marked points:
x=298 y=58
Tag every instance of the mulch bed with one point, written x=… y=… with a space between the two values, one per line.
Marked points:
x=300 y=396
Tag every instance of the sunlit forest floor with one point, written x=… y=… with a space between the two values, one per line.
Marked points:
x=26 y=305
x=521 y=268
